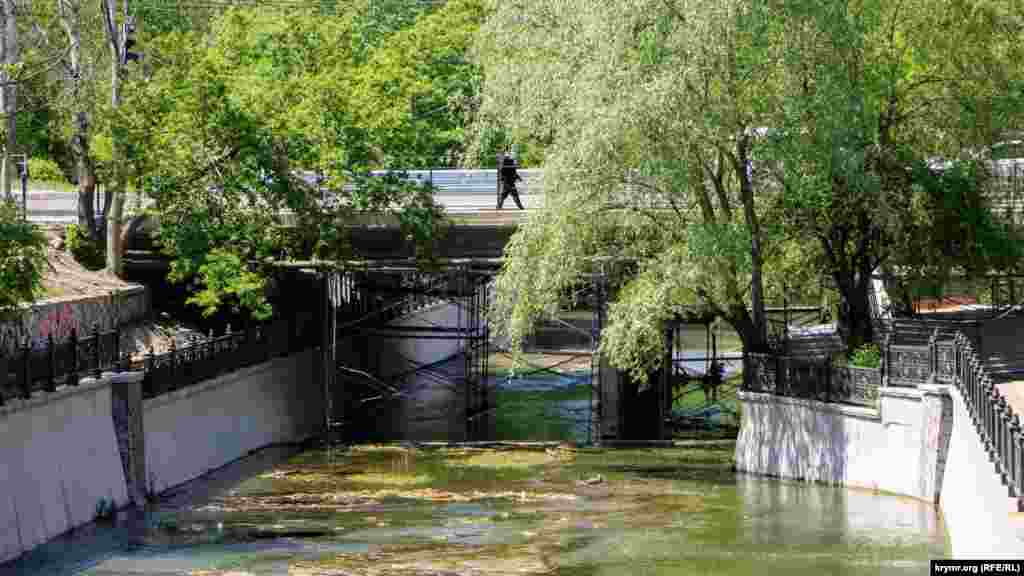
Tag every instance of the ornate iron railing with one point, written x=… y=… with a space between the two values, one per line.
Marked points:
x=44 y=368
x=995 y=420
x=812 y=378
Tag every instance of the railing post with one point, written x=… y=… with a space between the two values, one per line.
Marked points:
x=147 y=380
x=26 y=374
x=73 y=377
x=173 y=372
x=998 y=413
x=1017 y=446
x=96 y=372
x=116 y=352
x=933 y=360
x=3 y=377
x=51 y=365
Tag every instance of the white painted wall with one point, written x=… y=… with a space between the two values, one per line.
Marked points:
x=981 y=519
x=909 y=447
x=835 y=444
x=192 y=431
x=58 y=458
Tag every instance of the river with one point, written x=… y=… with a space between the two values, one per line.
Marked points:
x=388 y=510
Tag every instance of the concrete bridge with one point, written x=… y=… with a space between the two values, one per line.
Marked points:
x=479 y=230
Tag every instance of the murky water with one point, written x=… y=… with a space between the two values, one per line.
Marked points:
x=386 y=511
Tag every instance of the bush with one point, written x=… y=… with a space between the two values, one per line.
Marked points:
x=87 y=251
x=22 y=259
x=45 y=170
x=867 y=356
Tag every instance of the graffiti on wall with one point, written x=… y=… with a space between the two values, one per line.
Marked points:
x=59 y=319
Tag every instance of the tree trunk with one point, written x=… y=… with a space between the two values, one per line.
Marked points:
x=760 y=323
x=84 y=172
x=10 y=56
x=855 y=324
x=116 y=189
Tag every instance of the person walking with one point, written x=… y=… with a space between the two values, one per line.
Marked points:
x=509 y=177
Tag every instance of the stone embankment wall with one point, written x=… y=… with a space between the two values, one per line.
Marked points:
x=64 y=452
x=58 y=460
x=58 y=317
x=896 y=448
x=197 y=429
x=919 y=442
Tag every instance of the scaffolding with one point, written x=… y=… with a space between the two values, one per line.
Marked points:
x=371 y=305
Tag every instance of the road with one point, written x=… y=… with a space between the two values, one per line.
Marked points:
x=468 y=195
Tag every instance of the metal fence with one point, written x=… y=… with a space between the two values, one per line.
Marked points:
x=993 y=417
x=813 y=378
x=43 y=369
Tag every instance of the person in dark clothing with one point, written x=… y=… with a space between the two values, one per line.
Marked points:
x=509 y=177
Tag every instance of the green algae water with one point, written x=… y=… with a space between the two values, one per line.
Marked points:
x=394 y=510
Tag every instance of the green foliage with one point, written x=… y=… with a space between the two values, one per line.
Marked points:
x=780 y=139
x=229 y=131
x=225 y=278
x=867 y=356
x=45 y=170
x=635 y=110
x=86 y=250
x=22 y=260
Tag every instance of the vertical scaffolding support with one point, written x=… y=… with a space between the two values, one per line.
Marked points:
x=597 y=404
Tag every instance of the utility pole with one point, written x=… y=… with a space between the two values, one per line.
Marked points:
x=11 y=55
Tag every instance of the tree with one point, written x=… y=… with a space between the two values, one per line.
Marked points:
x=648 y=113
x=22 y=260
x=11 y=58
x=413 y=90
x=226 y=135
x=875 y=92
x=755 y=126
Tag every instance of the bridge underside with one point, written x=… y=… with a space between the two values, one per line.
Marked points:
x=406 y=354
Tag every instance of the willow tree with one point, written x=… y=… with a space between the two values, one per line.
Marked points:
x=650 y=113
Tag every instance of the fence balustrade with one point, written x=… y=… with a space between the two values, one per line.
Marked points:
x=43 y=368
x=812 y=378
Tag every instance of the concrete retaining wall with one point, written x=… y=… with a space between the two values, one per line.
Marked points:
x=920 y=443
x=197 y=429
x=885 y=449
x=58 y=459
x=59 y=316
x=981 y=519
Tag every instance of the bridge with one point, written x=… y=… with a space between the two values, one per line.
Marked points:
x=470 y=194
